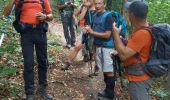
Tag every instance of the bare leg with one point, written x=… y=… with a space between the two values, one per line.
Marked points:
x=72 y=54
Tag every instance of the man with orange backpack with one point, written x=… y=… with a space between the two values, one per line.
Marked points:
x=31 y=17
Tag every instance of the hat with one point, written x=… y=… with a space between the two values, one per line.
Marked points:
x=138 y=7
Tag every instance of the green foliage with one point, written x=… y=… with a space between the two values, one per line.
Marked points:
x=159 y=11
x=160 y=92
x=9 y=89
x=7 y=71
x=115 y=5
x=159 y=89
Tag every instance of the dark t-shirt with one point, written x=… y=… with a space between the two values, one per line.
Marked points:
x=109 y=22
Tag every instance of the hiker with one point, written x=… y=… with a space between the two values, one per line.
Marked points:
x=139 y=44
x=104 y=45
x=87 y=7
x=33 y=34
x=66 y=9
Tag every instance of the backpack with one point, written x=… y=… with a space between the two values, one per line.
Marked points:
x=18 y=26
x=119 y=21
x=117 y=17
x=159 y=61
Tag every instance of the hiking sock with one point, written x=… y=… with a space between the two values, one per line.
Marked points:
x=110 y=84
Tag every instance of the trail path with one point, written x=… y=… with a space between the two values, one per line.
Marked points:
x=73 y=84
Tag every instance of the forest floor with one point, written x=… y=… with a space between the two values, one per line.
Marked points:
x=73 y=84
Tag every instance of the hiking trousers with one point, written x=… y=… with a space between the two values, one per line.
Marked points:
x=34 y=38
x=140 y=90
x=69 y=29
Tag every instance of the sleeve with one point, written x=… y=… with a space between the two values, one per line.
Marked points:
x=47 y=6
x=139 y=40
x=109 y=22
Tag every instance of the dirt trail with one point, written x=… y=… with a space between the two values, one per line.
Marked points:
x=73 y=84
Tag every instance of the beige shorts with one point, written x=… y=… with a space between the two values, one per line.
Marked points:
x=103 y=59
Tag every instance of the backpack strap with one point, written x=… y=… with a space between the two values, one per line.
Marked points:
x=18 y=9
x=43 y=6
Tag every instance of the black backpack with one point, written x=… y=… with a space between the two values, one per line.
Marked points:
x=19 y=27
x=159 y=61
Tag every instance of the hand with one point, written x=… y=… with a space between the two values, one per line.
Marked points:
x=89 y=30
x=72 y=4
x=66 y=4
x=115 y=29
x=87 y=4
x=41 y=17
x=113 y=53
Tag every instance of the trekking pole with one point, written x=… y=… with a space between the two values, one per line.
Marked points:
x=117 y=75
x=89 y=55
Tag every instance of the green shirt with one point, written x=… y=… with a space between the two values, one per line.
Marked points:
x=67 y=8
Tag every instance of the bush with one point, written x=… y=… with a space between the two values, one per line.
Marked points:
x=159 y=11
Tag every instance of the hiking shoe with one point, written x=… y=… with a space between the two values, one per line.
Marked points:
x=104 y=95
x=30 y=97
x=42 y=92
x=96 y=70
x=68 y=46
x=72 y=45
x=65 y=66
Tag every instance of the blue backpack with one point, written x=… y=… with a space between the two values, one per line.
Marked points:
x=119 y=21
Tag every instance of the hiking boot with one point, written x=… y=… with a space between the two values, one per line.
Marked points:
x=104 y=95
x=30 y=97
x=68 y=46
x=65 y=66
x=42 y=92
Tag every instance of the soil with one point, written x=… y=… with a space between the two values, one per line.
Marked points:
x=73 y=84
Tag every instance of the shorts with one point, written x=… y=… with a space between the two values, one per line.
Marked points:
x=103 y=59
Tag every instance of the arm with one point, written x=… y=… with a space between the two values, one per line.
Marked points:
x=104 y=35
x=74 y=5
x=83 y=13
x=75 y=14
x=123 y=51
x=49 y=16
x=85 y=7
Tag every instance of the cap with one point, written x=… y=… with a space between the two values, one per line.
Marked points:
x=138 y=7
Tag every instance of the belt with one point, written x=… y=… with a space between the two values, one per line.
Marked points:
x=33 y=26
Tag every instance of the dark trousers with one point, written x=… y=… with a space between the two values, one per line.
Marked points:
x=69 y=29
x=30 y=40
